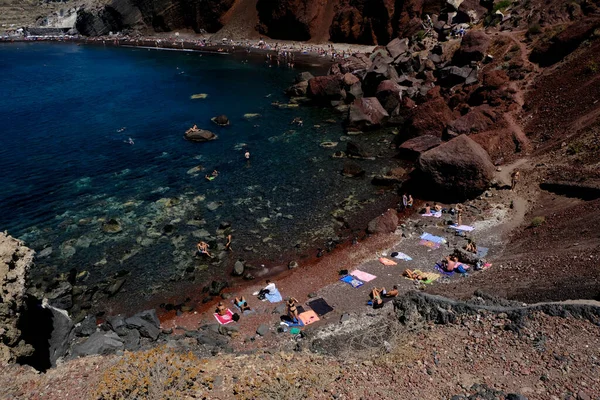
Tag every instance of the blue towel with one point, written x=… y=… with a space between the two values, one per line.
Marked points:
x=438 y=267
x=274 y=296
x=482 y=251
x=352 y=281
x=433 y=238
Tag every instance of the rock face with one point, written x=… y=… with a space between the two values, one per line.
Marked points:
x=200 y=136
x=473 y=47
x=413 y=148
x=459 y=168
x=289 y=19
x=15 y=262
x=158 y=15
x=385 y=223
x=429 y=118
x=324 y=89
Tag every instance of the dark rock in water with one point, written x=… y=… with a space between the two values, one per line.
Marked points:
x=298 y=89
x=221 y=120
x=146 y=322
x=413 y=148
x=303 y=77
x=262 y=329
x=352 y=169
x=112 y=225
x=200 y=135
x=366 y=113
x=324 y=89
x=462 y=177
x=117 y=323
x=473 y=47
x=115 y=287
x=389 y=94
x=238 y=268
x=292 y=265
x=102 y=343
x=87 y=326
x=354 y=150
x=385 y=223
x=224 y=225
x=392 y=177
x=62 y=333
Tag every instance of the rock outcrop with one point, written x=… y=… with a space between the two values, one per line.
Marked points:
x=459 y=169
x=157 y=15
x=385 y=223
x=200 y=135
x=15 y=261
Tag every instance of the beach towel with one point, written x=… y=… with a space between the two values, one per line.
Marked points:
x=273 y=296
x=224 y=319
x=363 y=276
x=308 y=317
x=464 y=228
x=383 y=299
x=401 y=256
x=285 y=319
x=387 y=261
x=431 y=276
x=482 y=251
x=433 y=238
x=320 y=306
x=247 y=312
x=429 y=243
x=437 y=214
x=438 y=267
x=352 y=281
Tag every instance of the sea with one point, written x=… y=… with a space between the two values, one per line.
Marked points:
x=94 y=135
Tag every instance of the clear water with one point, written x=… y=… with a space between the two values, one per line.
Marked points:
x=66 y=168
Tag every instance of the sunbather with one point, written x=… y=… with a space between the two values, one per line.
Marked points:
x=376 y=296
x=471 y=246
x=452 y=265
x=414 y=275
x=221 y=309
x=437 y=207
x=391 y=293
x=203 y=248
x=242 y=304
x=427 y=208
x=292 y=310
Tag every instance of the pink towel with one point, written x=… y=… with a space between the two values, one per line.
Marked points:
x=363 y=276
x=224 y=319
x=308 y=317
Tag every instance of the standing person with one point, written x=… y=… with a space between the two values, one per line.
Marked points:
x=404 y=201
x=292 y=310
x=228 y=244
x=514 y=179
x=459 y=211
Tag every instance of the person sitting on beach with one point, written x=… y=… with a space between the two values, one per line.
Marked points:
x=242 y=304
x=452 y=265
x=471 y=246
x=410 y=201
x=436 y=207
x=270 y=288
x=221 y=309
x=392 y=293
x=427 y=208
x=203 y=248
x=228 y=244
x=514 y=179
x=376 y=296
x=292 y=310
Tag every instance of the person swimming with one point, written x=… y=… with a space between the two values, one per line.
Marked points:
x=130 y=141
x=121 y=129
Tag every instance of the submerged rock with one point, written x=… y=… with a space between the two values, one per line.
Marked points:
x=221 y=120
x=112 y=225
x=200 y=135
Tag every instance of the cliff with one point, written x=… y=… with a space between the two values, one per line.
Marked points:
x=15 y=262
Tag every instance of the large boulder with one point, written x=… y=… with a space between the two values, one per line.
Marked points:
x=200 y=136
x=458 y=169
x=397 y=47
x=477 y=120
x=413 y=148
x=385 y=223
x=298 y=89
x=389 y=94
x=15 y=261
x=327 y=88
x=429 y=118
x=356 y=64
x=146 y=322
x=101 y=343
x=380 y=70
x=473 y=47
x=353 y=87
x=352 y=169
x=221 y=120
x=62 y=334
x=366 y=113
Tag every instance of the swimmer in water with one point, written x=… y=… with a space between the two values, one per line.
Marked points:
x=121 y=129
x=130 y=141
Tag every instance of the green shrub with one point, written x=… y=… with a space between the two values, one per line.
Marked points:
x=537 y=221
x=501 y=5
x=419 y=36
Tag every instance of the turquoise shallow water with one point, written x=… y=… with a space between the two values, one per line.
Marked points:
x=66 y=168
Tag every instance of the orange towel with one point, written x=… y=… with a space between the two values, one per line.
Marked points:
x=386 y=261
x=308 y=317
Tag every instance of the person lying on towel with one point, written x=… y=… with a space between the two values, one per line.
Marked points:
x=391 y=293
x=242 y=304
x=452 y=265
x=221 y=309
x=376 y=297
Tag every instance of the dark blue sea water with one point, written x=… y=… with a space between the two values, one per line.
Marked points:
x=66 y=168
